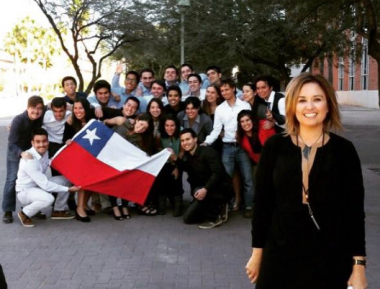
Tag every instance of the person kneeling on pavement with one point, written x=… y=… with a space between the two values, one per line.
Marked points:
x=34 y=188
x=210 y=184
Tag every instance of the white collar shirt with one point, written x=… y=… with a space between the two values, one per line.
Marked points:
x=281 y=104
x=226 y=118
x=32 y=174
x=55 y=128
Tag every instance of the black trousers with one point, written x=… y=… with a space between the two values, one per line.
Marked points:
x=3 y=283
x=165 y=185
x=201 y=211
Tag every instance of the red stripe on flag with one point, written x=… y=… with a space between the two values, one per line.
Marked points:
x=83 y=169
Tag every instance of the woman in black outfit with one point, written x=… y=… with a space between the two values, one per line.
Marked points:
x=308 y=222
x=82 y=113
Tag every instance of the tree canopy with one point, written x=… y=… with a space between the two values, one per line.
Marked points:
x=256 y=36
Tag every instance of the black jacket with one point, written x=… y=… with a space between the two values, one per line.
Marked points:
x=206 y=170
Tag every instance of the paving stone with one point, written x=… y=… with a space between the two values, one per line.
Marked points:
x=161 y=252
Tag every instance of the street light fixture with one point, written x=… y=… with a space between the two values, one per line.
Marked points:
x=183 y=5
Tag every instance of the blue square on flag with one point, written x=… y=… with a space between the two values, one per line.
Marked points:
x=94 y=137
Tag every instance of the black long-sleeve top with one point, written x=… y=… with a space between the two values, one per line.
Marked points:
x=206 y=170
x=336 y=196
x=19 y=138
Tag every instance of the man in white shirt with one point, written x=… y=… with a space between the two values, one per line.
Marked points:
x=54 y=123
x=34 y=188
x=226 y=118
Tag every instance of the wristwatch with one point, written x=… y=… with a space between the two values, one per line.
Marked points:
x=359 y=262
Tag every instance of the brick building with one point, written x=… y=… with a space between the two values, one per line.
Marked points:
x=354 y=81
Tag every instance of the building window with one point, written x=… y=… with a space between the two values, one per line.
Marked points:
x=340 y=73
x=351 y=73
x=364 y=66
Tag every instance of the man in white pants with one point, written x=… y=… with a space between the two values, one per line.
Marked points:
x=34 y=188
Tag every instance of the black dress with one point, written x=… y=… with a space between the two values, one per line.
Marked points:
x=296 y=254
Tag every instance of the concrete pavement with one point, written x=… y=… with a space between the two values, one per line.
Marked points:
x=162 y=252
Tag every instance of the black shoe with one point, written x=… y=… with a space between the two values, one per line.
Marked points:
x=90 y=212
x=86 y=219
x=117 y=218
x=8 y=218
x=40 y=216
x=147 y=211
x=248 y=214
x=125 y=216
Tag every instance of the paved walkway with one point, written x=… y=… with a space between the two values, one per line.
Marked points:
x=162 y=252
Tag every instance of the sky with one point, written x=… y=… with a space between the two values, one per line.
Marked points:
x=14 y=10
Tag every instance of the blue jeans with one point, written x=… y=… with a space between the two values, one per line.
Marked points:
x=234 y=154
x=9 y=194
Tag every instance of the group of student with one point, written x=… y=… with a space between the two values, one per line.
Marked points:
x=210 y=127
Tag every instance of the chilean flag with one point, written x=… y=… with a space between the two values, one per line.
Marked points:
x=100 y=160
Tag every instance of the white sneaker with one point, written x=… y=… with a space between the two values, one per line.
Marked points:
x=210 y=225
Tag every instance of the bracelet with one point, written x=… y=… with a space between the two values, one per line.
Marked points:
x=360 y=262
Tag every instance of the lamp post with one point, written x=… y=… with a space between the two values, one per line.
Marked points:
x=183 y=5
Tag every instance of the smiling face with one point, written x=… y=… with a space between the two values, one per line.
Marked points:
x=263 y=89
x=157 y=90
x=35 y=112
x=103 y=95
x=130 y=82
x=188 y=143
x=311 y=106
x=213 y=76
x=170 y=127
x=69 y=87
x=40 y=143
x=246 y=123
x=227 y=92
x=155 y=109
x=147 y=78
x=129 y=108
x=211 y=94
x=141 y=126
x=170 y=75
x=248 y=94
x=59 y=113
x=173 y=97
x=191 y=111
x=79 y=111
x=185 y=71
x=194 y=84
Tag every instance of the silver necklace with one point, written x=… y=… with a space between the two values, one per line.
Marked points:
x=307 y=149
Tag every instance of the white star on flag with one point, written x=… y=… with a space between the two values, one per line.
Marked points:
x=91 y=135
